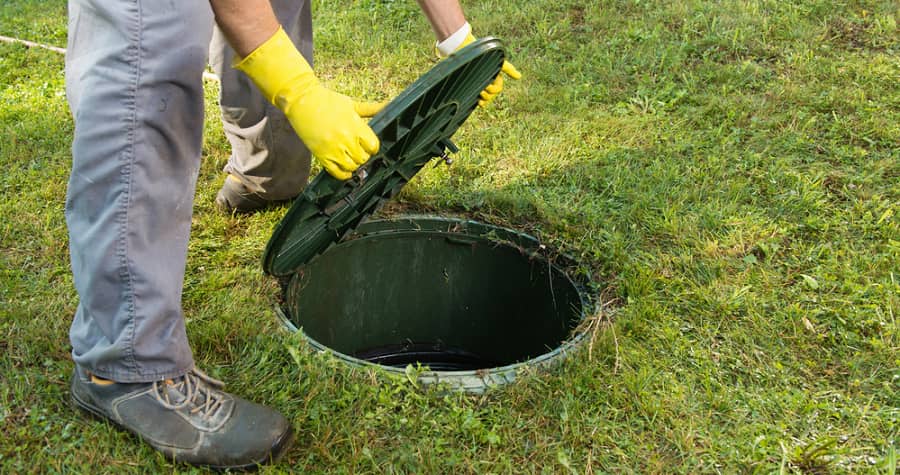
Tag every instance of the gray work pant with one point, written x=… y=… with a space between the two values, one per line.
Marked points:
x=133 y=81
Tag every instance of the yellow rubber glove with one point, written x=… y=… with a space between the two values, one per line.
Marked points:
x=330 y=124
x=494 y=88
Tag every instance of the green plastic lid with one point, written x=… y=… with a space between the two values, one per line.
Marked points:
x=414 y=128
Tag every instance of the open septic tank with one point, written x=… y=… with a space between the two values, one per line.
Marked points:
x=473 y=303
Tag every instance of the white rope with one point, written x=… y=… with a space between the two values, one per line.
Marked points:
x=30 y=44
x=208 y=76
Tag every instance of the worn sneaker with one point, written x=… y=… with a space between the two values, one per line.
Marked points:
x=234 y=197
x=189 y=419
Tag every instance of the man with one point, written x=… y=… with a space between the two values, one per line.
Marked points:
x=133 y=80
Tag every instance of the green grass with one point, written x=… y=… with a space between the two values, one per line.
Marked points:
x=730 y=170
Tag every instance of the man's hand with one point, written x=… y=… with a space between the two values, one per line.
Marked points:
x=330 y=124
x=494 y=88
x=461 y=39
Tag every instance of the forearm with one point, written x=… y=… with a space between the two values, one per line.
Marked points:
x=445 y=16
x=245 y=23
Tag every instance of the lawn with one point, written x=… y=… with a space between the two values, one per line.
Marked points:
x=729 y=171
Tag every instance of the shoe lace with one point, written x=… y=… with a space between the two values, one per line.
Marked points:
x=198 y=390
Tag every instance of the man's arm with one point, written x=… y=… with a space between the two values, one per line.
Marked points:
x=328 y=123
x=246 y=23
x=453 y=32
x=446 y=16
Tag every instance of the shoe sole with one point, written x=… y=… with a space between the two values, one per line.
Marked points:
x=275 y=452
